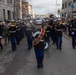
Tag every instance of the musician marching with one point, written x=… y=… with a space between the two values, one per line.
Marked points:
x=47 y=34
x=18 y=33
x=38 y=44
x=12 y=31
x=59 y=36
x=73 y=32
x=29 y=31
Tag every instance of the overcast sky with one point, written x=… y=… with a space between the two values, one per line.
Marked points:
x=45 y=6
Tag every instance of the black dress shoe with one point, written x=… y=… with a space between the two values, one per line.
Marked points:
x=1 y=47
x=73 y=47
x=18 y=43
x=13 y=50
x=31 y=47
x=60 y=48
x=57 y=47
x=28 y=49
x=38 y=66
x=42 y=66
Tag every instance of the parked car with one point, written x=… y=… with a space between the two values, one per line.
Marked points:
x=46 y=19
x=38 y=21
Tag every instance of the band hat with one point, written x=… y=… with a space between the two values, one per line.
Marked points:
x=12 y=25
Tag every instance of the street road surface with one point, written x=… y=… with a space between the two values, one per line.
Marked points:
x=23 y=61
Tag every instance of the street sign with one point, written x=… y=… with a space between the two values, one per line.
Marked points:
x=72 y=6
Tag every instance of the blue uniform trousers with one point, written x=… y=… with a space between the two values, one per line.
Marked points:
x=29 y=41
x=39 y=56
x=20 y=35
x=59 y=42
x=13 y=43
x=1 y=43
x=54 y=38
x=73 y=41
x=48 y=39
x=17 y=39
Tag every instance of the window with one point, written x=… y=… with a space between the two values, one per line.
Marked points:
x=63 y=6
x=69 y=4
x=4 y=14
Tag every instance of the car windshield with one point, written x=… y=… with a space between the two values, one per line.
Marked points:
x=38 y=19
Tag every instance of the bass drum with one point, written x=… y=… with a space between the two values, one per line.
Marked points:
x=46 y=46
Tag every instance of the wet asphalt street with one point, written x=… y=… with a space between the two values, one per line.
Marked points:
x=23 y=61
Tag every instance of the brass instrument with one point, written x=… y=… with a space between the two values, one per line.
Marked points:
x=37 y=40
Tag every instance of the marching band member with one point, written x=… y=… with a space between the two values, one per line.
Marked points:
x=73 y=32
x=6 y=34
x=47 y=34
x=29 y=37
x=59 y=36
x=12 y=31
x=1 y=33
x=39 y=46
x=17 y=33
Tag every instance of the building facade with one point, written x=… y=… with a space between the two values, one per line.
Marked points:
x=24 y=9
x=67 y=11
x=6 y=10
x=27 y=9
x=17 y=9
